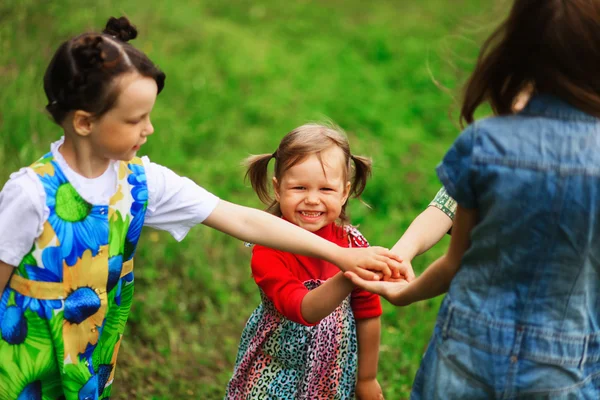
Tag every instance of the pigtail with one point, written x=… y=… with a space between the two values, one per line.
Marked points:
x=362 y=173
x=257 y=173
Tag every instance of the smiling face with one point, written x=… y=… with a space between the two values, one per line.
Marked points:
x=311 y=194
x=119 y=134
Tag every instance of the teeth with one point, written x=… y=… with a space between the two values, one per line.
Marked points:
x=311 y=214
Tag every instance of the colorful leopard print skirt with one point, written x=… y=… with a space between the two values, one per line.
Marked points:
x=281 y=359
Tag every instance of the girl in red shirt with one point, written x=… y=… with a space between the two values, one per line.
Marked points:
x=314 y=336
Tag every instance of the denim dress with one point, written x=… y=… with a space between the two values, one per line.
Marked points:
x=521 y=319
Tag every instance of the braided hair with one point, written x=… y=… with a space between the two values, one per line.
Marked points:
x=82 y=73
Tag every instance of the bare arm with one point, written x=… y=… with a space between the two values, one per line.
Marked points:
x=369 y=335
x=437 y=277
x=5 y=273
x=257 y=226
x=423 y=233
x=322 y=301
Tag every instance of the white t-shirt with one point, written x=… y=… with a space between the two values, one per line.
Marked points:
x=175 y=203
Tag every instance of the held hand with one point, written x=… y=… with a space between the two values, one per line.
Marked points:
x=370 y=263
x=401 y=270
x=393 y=290
x=368 y=389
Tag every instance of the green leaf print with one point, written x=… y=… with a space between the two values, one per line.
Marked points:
x=117 y=232
x=70 y=206
x=28 y=362
x=74 y=378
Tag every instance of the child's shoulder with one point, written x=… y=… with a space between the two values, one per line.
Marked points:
x=24 y=181
x=354 y=236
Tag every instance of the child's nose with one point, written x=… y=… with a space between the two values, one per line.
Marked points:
x=149 y=129
x=312 y=199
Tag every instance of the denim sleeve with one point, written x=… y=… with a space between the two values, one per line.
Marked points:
x=455 y=170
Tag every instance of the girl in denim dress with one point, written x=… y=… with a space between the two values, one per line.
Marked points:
x=521 y=318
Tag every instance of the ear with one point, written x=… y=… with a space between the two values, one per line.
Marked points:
x=276 y=188
x=82 y=122
x=346 y=192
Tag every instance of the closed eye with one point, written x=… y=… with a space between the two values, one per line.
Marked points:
x=136 y=121
x=326 y=189
x=298 y=188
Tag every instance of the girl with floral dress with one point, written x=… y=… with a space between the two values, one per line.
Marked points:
x=70 y=223
x=313 y=336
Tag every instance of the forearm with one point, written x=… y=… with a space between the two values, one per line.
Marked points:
x=423 y=233
x=322 y=301
x=368 y=332
x=259 y=227
x=5 y=274
x=433 y=282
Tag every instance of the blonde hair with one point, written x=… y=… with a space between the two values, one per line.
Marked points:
x=295 y=146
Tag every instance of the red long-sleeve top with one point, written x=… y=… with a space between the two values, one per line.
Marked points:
x=281 y=275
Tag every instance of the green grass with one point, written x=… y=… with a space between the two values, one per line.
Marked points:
x=240 y=74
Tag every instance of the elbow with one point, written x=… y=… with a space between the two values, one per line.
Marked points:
x=306 y=316
x=307 y=319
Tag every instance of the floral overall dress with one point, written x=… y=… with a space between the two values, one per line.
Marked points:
x=63 y=312
x=282 y=359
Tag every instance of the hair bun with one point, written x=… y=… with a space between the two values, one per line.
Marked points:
x=87 y=52
x=121 y=29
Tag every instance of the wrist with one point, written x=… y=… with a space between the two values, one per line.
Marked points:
x=407 y=253
x=367 y=377
x=408 y=296
x=337 y=256
x=345 y=282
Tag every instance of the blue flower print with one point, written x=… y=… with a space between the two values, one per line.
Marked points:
x=139 y=192
x=78 y=225
x=13 y=323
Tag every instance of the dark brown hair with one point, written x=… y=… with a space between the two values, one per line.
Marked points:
x=296 y=146
x=553 y=45
x=83 y=71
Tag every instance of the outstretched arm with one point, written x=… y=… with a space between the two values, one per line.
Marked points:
x=257 y=226
x=423 y=233
x=426 y=230
x=437 y=277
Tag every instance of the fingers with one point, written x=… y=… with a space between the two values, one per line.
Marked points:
x=383 y=266
x=370 y=286
x=382 y=251
x=368 y=275
x=402 y=279
x=401 y=270
x=397 y=268
x=410 y=273
x=394 y=263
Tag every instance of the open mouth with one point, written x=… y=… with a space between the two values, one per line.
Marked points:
x=311 y=214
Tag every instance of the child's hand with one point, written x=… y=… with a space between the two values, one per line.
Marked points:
x=393 y=290
x=401 y=271
x=368 y=389
x=369 y=263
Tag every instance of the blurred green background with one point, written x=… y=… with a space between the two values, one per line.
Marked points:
x=241 y=74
